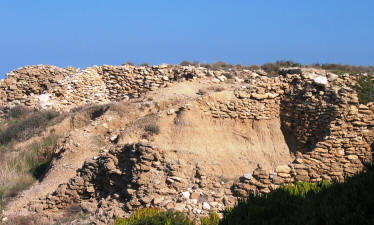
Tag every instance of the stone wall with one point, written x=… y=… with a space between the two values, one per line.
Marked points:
x=139 y=175
x=329 y=132
x=53 y=87
x=327 y=129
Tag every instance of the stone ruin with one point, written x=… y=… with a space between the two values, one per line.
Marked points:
x=329 y=133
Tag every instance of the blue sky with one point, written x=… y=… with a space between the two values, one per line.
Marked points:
x=83 y=33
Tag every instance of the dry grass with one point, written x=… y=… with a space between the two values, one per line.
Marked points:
x=23 y=220
x=205 y=91
x=142 y=128
x=216 y=88
x=33 y=123
x=21 y=168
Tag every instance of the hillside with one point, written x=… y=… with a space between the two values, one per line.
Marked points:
x=185 y=138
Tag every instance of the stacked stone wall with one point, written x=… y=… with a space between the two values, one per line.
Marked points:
x=326 y=128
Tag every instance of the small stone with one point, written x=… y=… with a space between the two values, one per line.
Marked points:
x=320 y=80
x=90 y=189
x=352 y=157
x=195 y=195
x=259 y=96
x=175 y=178
x=171 y=112
x=113 y=138
x=179 y=207
x=158 y=200
x=284 y=175
x=186 y=194
x=197 y=211
x=283 y=169
x=206 y=206
x=215 y=80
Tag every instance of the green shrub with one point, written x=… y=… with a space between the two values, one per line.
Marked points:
x=365 y=89
x=154 y=217
x=41 y=156
x=18 y=112
x=212 y=219
x=273 y=68
x=185 y=63
x=342 y=68
x=27 y=127
x=93 y=110
x=351 y=202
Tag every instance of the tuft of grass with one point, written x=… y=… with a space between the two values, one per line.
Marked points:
x=93 y=110
x=152 y=128
x=21 y=168
x=212 y=219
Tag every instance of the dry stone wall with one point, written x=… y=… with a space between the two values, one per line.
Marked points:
x=329 y=132
x=327 y=129
x=50 y=86
x=139 y=175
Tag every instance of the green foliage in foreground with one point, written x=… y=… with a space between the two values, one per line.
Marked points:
x=365 y=89
x=155 y=217
x=351 y=202
x=21 y=169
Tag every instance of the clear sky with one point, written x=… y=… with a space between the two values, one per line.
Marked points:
x=83 y=33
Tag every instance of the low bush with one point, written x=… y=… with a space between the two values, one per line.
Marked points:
x=273 y=68
x=128 y=63
x=228 y=75
x=202 y=92
x=216 y=88
x=152 y=128
x=27 y=127
x=212 y=219
x=153 y=216
x=144 y=64
x=19 y=169
x=343 y=68
x=185 y=63
x=18 y=112
x=93 y=110
x=188 y=63
x=351 y=202
x=365 y=89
